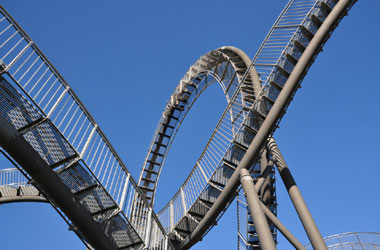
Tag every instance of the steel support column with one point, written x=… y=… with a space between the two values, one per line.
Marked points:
x=276 y=222
x=258 y=216
x=23 y=153
x=299 y=203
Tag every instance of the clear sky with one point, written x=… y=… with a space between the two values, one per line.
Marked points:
x=124 y=59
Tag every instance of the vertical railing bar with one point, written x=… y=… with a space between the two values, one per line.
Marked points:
x=118 y=172
x=51 y=98
x=96 y=151
x=10 y=65
x=102 y=164
x=10 y=51
x=97 y=162
x=47 y=92
x=79 y=131
x=109 y=175
x=22 y=76
x=5 y=42
x=32 y=76
x=43 y=74
x=6 y=28
x=76 y=123
x=71 y=118
x=107 y=166
x=84 y=133
x=66 y=113
x=43 y=86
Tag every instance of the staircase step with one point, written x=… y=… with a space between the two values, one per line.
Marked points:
x=151 y=171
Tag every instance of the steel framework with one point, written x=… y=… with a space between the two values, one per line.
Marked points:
x=66 y=159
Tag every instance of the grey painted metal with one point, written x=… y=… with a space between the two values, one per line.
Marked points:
x=285 y=232
x=24 y=154
x=264 y=191
x=295 y=195
x=260 y=183
x=273 y=117
x=228 y=67
x=258 y=216
x=24 y=198
x=225 y=66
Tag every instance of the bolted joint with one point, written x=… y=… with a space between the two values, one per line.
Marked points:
x=245 y=175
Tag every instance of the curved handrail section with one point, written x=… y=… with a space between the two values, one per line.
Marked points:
x=352 y=240
x=41 y=106
x=226 y=66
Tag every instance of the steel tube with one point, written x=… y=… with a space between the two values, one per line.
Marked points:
x=23 y=153
x=276 y=222
x=285 y=232
x=299 y=203
x=258 y=216
x=26 y=198
x=268 y=125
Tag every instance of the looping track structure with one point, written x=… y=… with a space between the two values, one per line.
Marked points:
x=53 y=140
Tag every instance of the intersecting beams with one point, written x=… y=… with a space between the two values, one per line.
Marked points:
x=273 y=117
x=230 y=67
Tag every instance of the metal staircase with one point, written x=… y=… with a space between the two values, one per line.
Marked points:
x=41 y=106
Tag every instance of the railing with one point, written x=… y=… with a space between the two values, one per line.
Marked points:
x=352 y=240
x=215 y=153
x=22 y=62
x=12 y=177
x=230 y=137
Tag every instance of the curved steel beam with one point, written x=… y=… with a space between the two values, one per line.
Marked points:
x=23 y=153
x=271 y=120
x=27 y=198
x=210 y=64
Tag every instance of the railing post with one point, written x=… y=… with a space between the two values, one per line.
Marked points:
x=183 y=201
x=123 y=195
x=148 y=228
x=171 y=215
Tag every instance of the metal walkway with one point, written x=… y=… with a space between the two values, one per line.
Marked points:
x=41 y=115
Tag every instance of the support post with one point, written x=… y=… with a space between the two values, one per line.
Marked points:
x=264 y=191
x=171 y=215
x=258 y=216
x=285 y=232
x=148 y=228
x=299 y=203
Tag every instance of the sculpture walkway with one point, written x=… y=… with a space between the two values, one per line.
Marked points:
x=59 y=148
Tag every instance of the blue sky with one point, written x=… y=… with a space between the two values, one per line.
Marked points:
x=124 y=59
